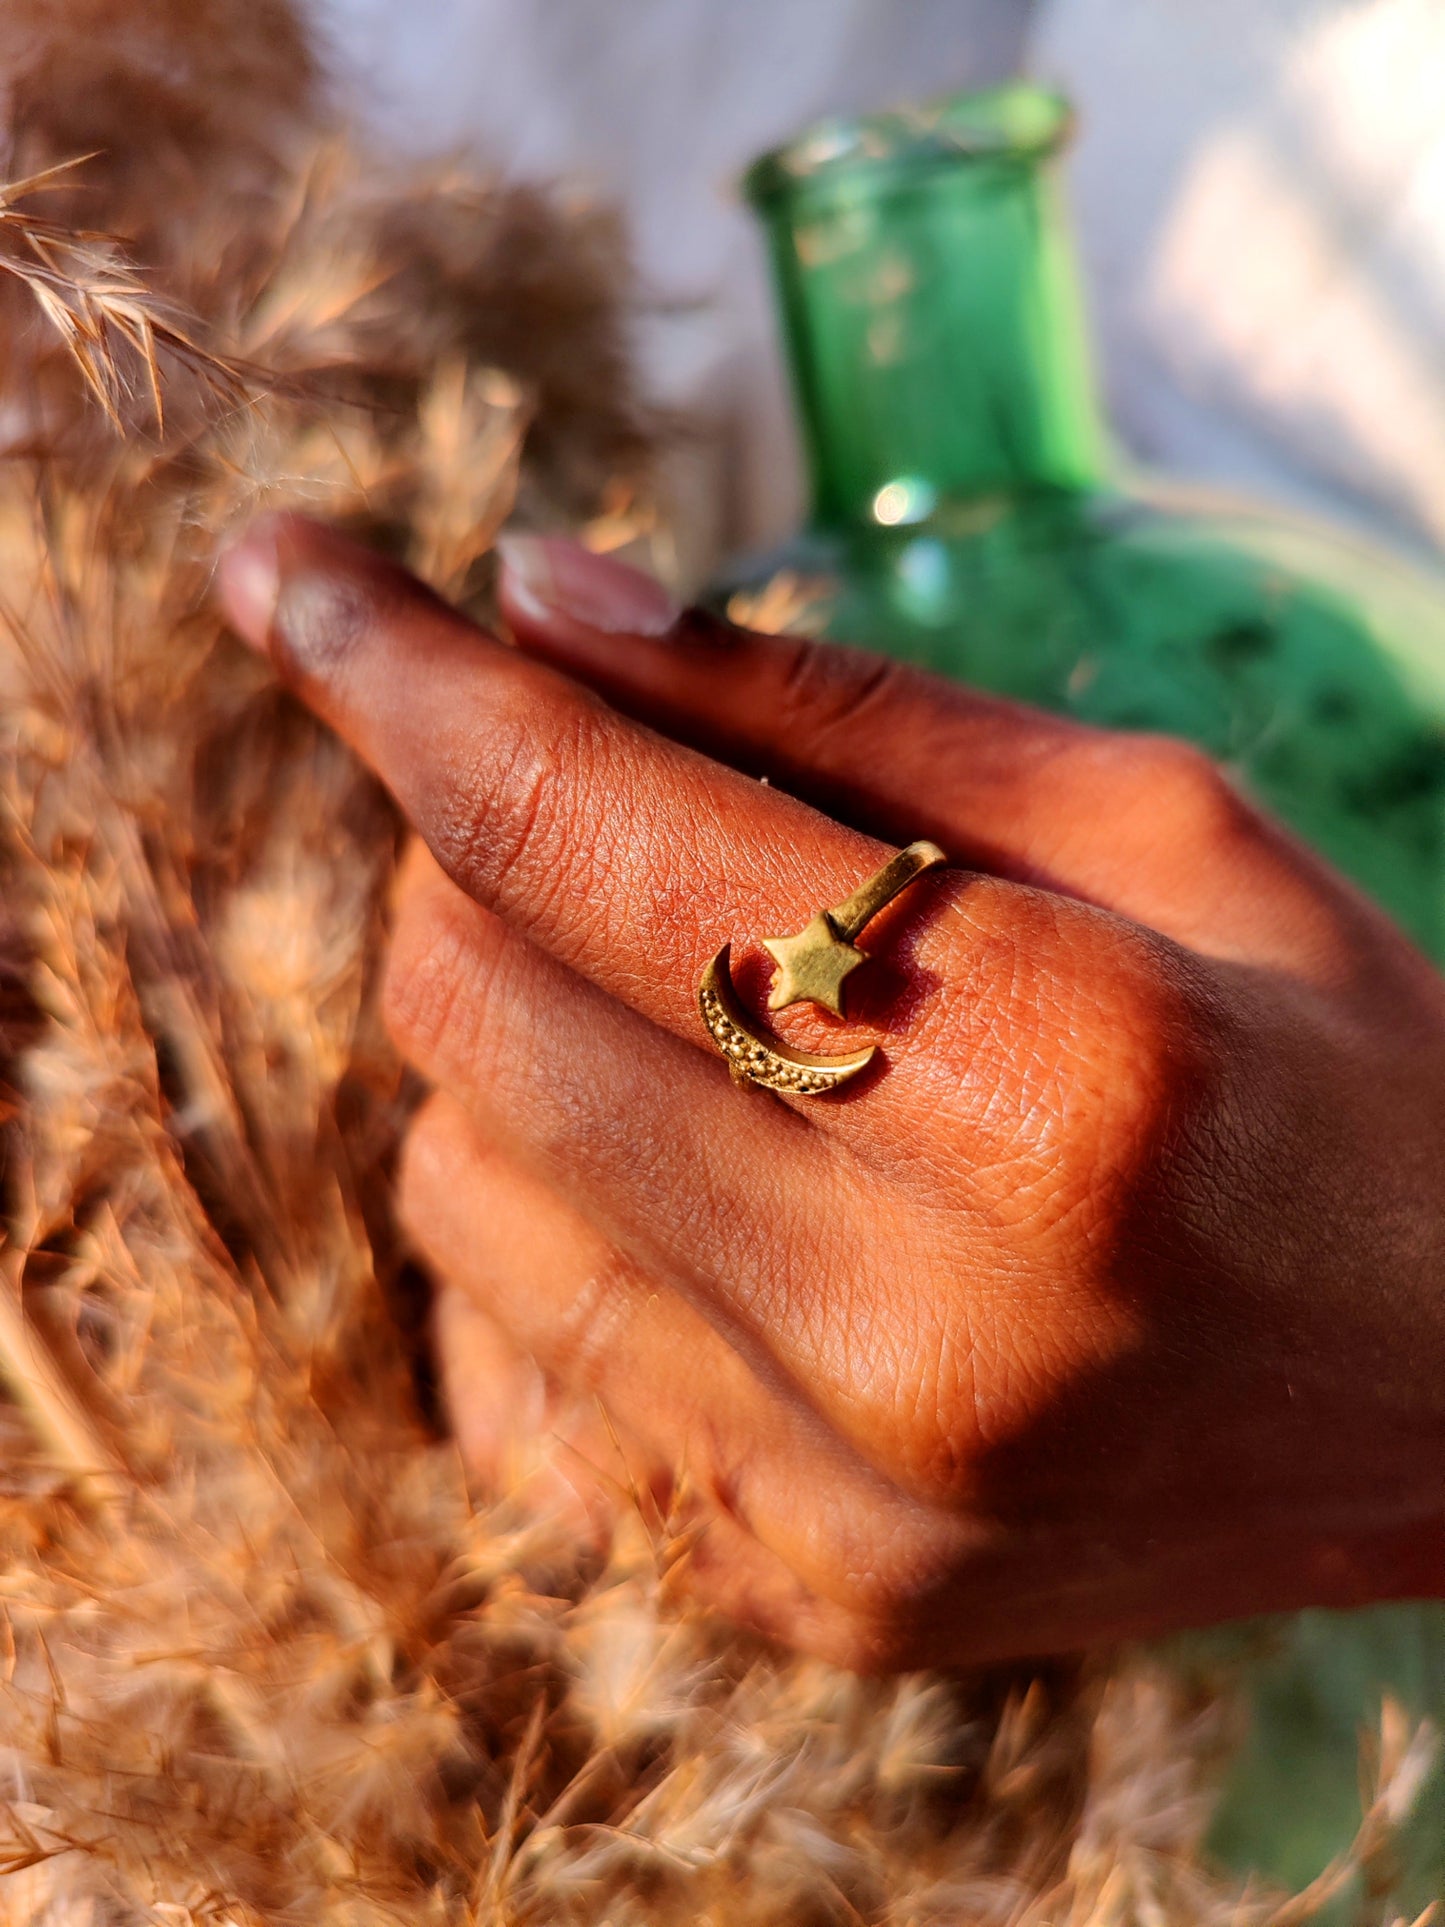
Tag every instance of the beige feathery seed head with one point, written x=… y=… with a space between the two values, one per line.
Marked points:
x=263 y=1658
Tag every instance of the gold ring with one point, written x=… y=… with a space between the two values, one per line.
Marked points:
x=812 y=968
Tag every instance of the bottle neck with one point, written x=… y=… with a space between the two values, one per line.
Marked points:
x=935 y=333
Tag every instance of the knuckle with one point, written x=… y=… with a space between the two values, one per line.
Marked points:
x=426 y=1176
x=585 y=1338
x=512 y=801
x=419 y=985
x=1071 y=1038
x=785 y=1608
x=414 y=1191
x=826 y=689
x=857 y=1644
x=886 y=1625
x=1183 y=786
x=882 y=1549
x=875 y=1588
x=1129 y=1047
x=441 y=974
x=426 y=1147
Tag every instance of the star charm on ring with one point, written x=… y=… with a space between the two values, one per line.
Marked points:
x=813 y=967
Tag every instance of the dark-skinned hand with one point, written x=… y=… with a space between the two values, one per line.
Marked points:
x=1112 y=1301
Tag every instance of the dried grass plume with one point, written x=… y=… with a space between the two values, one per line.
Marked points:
x=263 y=1657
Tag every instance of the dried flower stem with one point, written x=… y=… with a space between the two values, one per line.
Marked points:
x=112 y=325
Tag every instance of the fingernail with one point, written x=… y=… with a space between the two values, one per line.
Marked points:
x=545 y=576
x=249 y=582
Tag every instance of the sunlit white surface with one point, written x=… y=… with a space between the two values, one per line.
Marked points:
x=1260 y=187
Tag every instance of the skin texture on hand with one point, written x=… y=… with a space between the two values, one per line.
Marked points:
x=1110 y=1301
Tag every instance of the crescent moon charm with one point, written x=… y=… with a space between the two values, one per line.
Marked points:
x=751 y=1058
x=812 y=968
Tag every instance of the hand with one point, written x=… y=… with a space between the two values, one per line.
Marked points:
x=1114 y=1301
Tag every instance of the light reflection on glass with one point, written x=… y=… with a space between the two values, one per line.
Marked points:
x=903 y=501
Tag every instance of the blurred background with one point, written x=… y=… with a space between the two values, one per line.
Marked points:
x=1258 y=188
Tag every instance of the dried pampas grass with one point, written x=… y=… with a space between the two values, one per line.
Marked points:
x=263 y=1658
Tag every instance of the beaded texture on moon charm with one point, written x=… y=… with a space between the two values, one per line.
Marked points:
x=753 y=1061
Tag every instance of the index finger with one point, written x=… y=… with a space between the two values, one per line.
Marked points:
x=628 y=857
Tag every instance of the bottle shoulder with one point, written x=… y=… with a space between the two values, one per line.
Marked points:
x=1040 y=595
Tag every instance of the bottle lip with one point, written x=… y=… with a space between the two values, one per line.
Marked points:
x=1017 y=121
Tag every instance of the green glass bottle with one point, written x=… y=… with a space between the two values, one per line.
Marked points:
x=967 y=513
